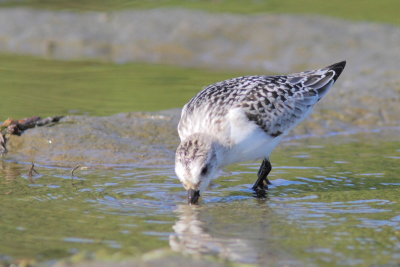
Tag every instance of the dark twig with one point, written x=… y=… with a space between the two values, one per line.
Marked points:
x=74 y=169
x=73 y=173
x=31 y=171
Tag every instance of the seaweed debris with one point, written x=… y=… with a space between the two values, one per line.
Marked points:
x=17 y=127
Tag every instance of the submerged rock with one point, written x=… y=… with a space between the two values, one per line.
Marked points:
x=127 y=139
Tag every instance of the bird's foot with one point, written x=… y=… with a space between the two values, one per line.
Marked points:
x=260 y=188
x=259 y=192
x=261 y=184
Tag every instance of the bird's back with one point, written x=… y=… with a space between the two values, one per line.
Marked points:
x=275 y=104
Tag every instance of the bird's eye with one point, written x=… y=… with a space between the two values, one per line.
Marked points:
x=204 y=170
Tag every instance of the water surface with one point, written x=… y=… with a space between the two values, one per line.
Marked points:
x=32 y=86
x=334 y=198
x=333 y=201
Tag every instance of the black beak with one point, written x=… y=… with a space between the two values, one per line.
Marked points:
x=193 y=196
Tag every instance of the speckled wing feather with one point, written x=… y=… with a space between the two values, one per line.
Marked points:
x=279 y=103
x=275 y=103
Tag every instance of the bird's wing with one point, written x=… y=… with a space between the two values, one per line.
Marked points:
x=275 y=103
x=278 y=103
x=206 y=110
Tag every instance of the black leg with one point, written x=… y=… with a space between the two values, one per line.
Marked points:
x=262 y=180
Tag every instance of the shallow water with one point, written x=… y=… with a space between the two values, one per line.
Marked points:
x=32 y=86
x=334 y=198
x=333 y=201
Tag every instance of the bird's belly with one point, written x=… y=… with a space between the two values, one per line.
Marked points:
x=247 y=141
x=256 y=145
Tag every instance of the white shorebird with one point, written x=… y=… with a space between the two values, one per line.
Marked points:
x=243 y=119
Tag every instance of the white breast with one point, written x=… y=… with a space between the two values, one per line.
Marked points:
x=247 y=140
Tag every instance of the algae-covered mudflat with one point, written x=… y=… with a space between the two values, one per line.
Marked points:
x=103 y=192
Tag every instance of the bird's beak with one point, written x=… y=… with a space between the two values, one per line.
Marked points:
x=193 y=196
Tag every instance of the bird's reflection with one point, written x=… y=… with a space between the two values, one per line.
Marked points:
x=193 y=237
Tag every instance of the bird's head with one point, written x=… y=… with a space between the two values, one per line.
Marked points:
x=196 y=163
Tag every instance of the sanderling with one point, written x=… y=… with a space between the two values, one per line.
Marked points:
x=243 y=119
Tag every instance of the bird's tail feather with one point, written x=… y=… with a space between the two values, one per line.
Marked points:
x=337 y=68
